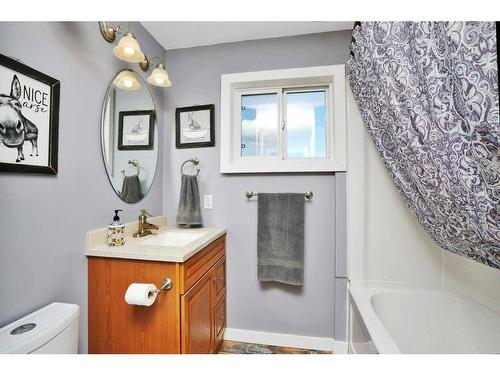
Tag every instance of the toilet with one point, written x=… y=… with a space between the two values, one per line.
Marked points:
x=51 y=330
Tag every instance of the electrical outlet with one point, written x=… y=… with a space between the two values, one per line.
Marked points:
x=207 y=201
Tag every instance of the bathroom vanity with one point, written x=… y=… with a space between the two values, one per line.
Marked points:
x=188 y=318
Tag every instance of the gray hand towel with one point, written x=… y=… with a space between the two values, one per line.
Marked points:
x=189 y=212
x=280 y=238
x=131 y=189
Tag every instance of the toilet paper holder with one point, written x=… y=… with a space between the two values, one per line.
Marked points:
x=166 y=284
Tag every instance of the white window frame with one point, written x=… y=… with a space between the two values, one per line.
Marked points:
x=234 y=85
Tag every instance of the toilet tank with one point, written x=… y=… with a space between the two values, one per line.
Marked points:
x=51 y=330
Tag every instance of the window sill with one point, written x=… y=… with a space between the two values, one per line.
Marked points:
x=282 y=166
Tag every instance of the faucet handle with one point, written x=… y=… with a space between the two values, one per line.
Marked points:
x=145 y=213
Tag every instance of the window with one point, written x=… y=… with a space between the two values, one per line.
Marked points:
x=290 y=120
x=259 y=117
x=305 y=123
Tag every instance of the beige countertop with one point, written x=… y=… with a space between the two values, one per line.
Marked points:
x=150 y=247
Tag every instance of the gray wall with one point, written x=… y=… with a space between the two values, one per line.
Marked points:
x=270 y=307
x=44 y=218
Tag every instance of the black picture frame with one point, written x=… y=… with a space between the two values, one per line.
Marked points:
x=151 y=124
x=53 y=132
x=210 y=142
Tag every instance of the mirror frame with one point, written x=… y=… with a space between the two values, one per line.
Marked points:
x=101 y=135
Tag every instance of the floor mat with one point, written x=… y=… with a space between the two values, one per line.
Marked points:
x=235 y=347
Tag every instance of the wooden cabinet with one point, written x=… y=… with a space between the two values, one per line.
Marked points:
x=189 y=318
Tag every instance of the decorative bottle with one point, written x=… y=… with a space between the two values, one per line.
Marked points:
x=116 y=231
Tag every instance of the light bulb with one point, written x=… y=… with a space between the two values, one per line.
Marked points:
x=159 y=80
x=128 y=51
x=128 y=83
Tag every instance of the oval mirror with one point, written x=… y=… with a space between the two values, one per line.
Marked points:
x=129 y=136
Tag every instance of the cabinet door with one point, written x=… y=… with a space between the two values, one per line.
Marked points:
x=219 y=302
x=118 y=328
x=220 y=278
x=197 y=317
x=219 y=322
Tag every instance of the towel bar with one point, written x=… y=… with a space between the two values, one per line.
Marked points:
x=308 y=194
x=194 y=161
x=136 y=164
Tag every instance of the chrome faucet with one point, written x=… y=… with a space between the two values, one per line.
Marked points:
x=145 y=227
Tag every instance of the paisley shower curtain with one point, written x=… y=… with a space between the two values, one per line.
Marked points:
x=428 y=94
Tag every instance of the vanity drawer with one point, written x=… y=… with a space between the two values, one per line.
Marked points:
x=195 y=267
x=220 y=318
x=220 y=277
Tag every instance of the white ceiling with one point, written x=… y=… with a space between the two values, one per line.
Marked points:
x=173 y=35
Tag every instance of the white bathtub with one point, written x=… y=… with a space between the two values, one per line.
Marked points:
x=403 y=319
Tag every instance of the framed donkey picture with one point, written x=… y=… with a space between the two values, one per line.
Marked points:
x=29 y=119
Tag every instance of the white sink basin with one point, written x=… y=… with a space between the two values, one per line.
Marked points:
x=173 y=239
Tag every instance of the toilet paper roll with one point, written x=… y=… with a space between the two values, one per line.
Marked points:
x=140 y=294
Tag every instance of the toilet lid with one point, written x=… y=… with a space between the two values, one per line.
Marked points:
x=34 y=330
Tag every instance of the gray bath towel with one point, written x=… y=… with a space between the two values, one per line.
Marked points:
x=280 y=238
x=189 y=212
x=131 y=189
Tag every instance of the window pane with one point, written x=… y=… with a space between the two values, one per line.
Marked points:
x=259 y=125
x=306 y=124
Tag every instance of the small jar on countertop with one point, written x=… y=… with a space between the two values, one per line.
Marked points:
x=116 y=231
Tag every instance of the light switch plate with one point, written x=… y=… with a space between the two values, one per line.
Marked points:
x=207 y=201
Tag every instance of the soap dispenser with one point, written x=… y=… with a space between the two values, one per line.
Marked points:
x=116 y=231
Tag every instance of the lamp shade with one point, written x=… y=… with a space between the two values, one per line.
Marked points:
x=127 y=80
x=159 y=77
x=128 y=49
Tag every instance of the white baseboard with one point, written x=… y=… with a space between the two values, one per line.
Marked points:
x=290 y=341
x=340 y=347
